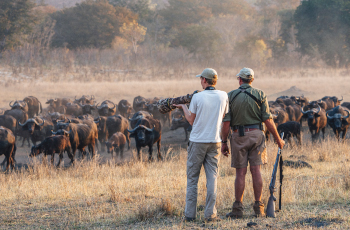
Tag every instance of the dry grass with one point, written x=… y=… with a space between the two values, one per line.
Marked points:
x=142 y=195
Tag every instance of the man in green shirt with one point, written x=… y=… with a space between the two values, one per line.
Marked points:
x=248 y=108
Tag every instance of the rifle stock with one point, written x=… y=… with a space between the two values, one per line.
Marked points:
x=270 y=210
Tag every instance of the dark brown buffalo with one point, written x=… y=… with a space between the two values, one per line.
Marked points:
x=116 y=142
x=125 y=108
x=38 y=128
x=118 y=124
x=51 y=145
x=317 y=120
x=84 y=100
x=102 y=131
x=179 y=121
x=137 y=116
x=74 y=109
x=346 y=104
x=294 y=113
x=290 y=129
x=335 y=100
x=302 y=101
x=80 y=136
x=9 y=122
x=139 y=103
x=279 y=115
x=8 y=146
x=34 y=106
x=338 y=119
x=20 y=116
x=107 y=108
x=146 y=133
x=58 y=104
x=22 y=105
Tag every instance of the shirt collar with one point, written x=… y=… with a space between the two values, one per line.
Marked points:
x=245 y=86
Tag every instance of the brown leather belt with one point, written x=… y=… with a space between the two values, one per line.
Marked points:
x=246 y=130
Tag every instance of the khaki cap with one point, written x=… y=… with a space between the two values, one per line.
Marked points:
x=246 y=73
x=208 y=73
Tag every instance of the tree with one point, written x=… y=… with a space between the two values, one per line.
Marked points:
x=323 y=27
x=143 y=8
x=181 y=13
x=16 y=18
x=199 y=40
x=89 y=24
x=134 y=33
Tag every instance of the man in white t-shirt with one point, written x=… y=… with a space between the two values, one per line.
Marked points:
x=205 y=114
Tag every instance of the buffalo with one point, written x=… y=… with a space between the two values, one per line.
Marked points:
x=34 y=106
x=118 y=124
x=139 y=103
x=84 y=100
x=116 y=142
x=51 y=145
x=124 y=108
x=138 y=116
x=338 y=119
x=8 y=146
x=37 y=128
x=317 y=120
x=146 y=133
x=107 y=108
x=80 y=136
x=102 y=131
x=74 y=109
x=290 y=129
x=179 y=121
x=58 y=104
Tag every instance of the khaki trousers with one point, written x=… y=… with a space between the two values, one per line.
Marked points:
x=206 y=154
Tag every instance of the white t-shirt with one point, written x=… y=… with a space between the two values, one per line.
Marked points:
x=210 y=106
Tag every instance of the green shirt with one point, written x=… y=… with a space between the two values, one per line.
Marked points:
x=244 y=110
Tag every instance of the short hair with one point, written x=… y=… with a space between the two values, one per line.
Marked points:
x=247 y=80
x=211 y=81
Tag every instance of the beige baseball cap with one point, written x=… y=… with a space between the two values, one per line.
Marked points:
x=246 y=73
x=208 y=73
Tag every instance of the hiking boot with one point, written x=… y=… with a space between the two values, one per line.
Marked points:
x=212 y=219
x=237 y=211
x=259 y=209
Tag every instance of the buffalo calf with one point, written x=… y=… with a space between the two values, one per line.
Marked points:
x=116 y=142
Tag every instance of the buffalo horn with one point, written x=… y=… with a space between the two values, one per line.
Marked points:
x=24 y=122
x=302 y=110
x=341 y=98
x=319 y=109
x=329 y=117
x=347 y=115
x=10 y=104
x=54 y=133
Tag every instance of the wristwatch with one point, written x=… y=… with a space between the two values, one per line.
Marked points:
x=224 y=142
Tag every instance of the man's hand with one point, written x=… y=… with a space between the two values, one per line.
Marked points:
x=280 y=143
x=224 y=149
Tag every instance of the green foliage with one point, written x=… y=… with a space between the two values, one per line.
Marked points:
x=16 y=19
x=323 y=27
x=199 y=40
x=89 y=24
x=181 y=13
x=142 y=8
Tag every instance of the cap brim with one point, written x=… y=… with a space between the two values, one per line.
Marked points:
x=198 y=75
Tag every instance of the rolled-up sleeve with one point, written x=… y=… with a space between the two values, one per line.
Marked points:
x=265 y=110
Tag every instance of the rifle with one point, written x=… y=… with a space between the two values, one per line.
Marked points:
x=270 y=210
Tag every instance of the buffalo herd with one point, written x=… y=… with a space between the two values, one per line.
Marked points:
x=80 y=124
